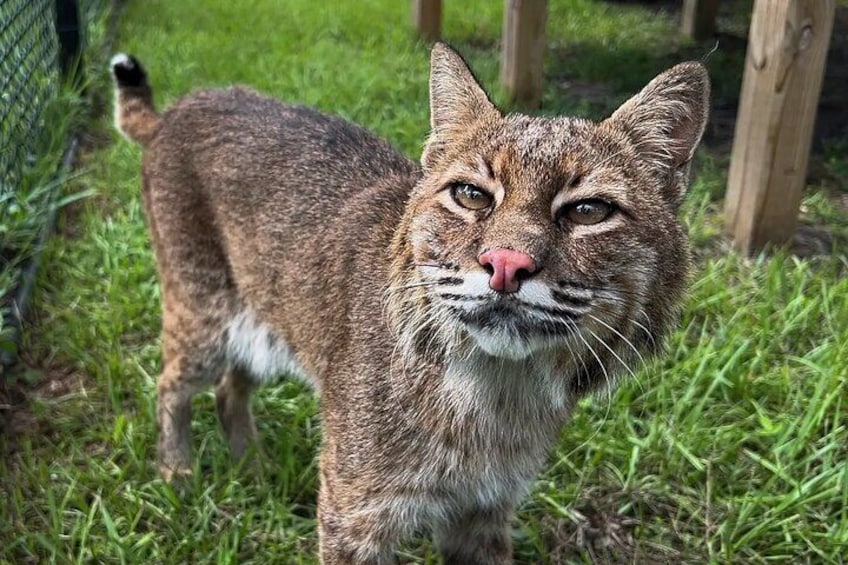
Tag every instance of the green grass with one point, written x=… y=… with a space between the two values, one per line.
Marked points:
x=730 y=449
x=25 y=209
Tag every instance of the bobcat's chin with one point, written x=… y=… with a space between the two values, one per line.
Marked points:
x=505 y=343
x=512 y=328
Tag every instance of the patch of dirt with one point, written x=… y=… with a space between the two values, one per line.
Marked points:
x=598 y=531
x=603 y=536
x=811 y=241
x=19 y=387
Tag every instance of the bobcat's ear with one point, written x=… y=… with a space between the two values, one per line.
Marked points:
x=666 y=120
x=456 y=99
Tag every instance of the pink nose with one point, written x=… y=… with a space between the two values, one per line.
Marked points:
x=506 y=268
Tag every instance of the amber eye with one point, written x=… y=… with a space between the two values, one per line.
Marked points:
x=588 y=212
x=471 y=197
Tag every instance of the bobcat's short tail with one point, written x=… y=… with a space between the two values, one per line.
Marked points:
x=135 y=116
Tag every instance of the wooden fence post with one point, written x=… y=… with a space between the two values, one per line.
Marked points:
x=699 y=18
x=524 y=50
x=427 y=18
x=784 y=67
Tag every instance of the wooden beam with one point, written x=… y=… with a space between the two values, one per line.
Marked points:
x=698 y=19
x=784 y=67
x=427 y=18
x=524 y=50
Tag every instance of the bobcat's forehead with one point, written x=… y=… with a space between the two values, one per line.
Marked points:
x=534 y=157
x=549 y=141
x=554 y=140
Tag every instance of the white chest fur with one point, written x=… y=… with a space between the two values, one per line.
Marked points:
x=254 y=346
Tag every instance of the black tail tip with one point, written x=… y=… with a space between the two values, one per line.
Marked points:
x=127 y=71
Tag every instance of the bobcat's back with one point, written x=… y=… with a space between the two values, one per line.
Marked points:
x=278 y=203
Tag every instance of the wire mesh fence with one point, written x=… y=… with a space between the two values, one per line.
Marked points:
x=40 y=46
x=30 y=72
x=28 y=79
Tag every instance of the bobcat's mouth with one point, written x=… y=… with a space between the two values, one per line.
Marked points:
x=523 y=319
x=538 y=316
x=512 y=328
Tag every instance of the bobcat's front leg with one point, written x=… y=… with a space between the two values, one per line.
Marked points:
x=348 y=539
x=357 y=525
x=477 y=537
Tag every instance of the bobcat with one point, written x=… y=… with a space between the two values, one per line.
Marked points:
x=450 y=314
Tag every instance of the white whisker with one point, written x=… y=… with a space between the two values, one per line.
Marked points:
x=619 y=334
x=641 y=326
x=620 y=360
x=608 y=391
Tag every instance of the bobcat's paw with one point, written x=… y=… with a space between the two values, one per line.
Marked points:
x=171 y=474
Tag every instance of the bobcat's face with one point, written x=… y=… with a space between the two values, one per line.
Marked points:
x=567 y=196
x=529 y=234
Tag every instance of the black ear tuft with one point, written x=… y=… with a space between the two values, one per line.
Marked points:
x=127 y=71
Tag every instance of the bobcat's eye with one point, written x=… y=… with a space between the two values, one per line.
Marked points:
x=588 y=212
x=471 y=197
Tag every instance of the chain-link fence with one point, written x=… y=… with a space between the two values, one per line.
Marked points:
x=28 y=79
x=30 y=70
x=41 y=42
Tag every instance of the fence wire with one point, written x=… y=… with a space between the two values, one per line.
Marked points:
x=29 y=78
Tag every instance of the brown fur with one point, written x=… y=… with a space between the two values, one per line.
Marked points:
x=283 y=235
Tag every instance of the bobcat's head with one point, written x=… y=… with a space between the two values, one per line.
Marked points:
x=530 y=234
